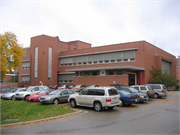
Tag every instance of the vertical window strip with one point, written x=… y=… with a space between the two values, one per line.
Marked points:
x=36 y=64
x=50 y=64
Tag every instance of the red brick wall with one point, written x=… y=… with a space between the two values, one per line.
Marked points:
x=101 y=80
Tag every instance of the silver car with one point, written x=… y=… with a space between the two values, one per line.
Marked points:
x=31 y=90
x=10 y=95
x=159 y=89
x=56 y=97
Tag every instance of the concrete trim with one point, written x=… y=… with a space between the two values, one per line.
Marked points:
x=106 y=68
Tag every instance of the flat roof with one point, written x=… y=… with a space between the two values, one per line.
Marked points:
x=121 y=50
x=106 y=68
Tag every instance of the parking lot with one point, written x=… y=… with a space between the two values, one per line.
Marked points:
x=156 y=116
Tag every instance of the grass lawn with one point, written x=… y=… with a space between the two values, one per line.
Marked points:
x=27 y=111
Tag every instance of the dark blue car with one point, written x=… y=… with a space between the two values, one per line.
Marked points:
x=127 y=98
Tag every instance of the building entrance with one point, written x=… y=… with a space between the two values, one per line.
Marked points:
x=132 y=79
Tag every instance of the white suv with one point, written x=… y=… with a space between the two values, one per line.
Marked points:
x=97 y=97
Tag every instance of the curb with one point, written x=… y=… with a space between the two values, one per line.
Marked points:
x=40 y=121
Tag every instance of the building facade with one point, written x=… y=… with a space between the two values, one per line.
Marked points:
x=50 y=61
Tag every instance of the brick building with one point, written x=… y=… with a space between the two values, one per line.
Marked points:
x=51 y=61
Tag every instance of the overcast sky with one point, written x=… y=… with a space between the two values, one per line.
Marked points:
x=99 y=22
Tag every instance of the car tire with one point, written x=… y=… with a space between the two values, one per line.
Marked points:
x=72 y=103
x=55 y=101
x=156 y=95
x=122 y=103
x=97 y=106
x=13 y=98
x=25 y=99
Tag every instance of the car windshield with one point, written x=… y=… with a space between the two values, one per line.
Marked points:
x=133 y=90
x=46 y=87
x=77 y=86
x=14 y=90
x=55 y=92
x=42 y=92
x=28 y=89
x=124 y=92
x=63 y=86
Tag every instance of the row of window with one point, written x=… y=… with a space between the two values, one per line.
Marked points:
x=95 y=73
x=98 y=62
x=66 y=81
x=26 y=67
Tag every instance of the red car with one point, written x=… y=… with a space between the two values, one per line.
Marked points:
x=34 y=98
x=54 y=87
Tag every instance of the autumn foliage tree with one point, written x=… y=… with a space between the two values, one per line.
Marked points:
x=159 y=77
x=10 y=53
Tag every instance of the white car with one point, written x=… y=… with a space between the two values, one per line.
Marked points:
x=31 y=90
x=97 y=97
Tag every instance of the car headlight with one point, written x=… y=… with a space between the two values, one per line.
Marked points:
x=48 y=98
x=141 y=96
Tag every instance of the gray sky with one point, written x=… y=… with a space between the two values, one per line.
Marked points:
x=99 y=22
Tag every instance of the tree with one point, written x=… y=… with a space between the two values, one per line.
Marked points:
x=158 y=77
x=10 y=53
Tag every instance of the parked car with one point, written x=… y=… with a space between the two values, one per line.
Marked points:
x=127 y=98
x=10 y=95
x=54 y=87
x=142 y=97
x=31 y=90
x=70 y=86
x=56 y=97
x=92 y=86
x=79 y=88
x=4 y=88
x=34 y=98
x=97 y=97
x=159 y=89
x=63 y=87
x=145 y=89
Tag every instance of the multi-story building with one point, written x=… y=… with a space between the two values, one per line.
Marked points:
x=51 y=61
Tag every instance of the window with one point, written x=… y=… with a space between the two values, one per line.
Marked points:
x=137 y=88
x=64 y=92
x=79 y=73
x=112 y=92
x=96 y=92
x=143 y=88
x=106 y=61
x=119 y=72
x=70 y=92
x=84 y=92
x=110 y=72
x=50 y=64
x=94 y=73
x=36 y=64
x=86 y=73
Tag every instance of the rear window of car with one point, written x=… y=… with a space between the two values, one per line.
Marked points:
x=155 y=86
x=149 y=88
x=137 y=88
x=143 y=88
x=96 y=92
x=112 y=92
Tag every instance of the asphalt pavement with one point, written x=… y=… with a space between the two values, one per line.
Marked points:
x=156 y=116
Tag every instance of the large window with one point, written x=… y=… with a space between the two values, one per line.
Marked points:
x=64 y=78
x=94 y=73
x=50 y=64
x=25 y=65
x=36 y=64
x=25 y=78
x=110 y=72
x=119 y=72
x=99 y=58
